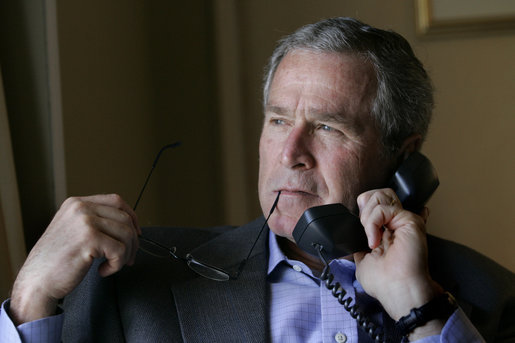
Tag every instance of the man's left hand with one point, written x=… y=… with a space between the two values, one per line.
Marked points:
x=396 y=271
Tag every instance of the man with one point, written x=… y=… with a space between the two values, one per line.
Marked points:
x=344 y=105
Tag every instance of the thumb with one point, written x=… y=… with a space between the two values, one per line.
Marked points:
x=359 y=256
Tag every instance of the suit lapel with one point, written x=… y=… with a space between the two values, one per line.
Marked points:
x=232 y=310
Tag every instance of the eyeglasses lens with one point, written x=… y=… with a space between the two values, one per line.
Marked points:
x=152 y=248
x=205 y=270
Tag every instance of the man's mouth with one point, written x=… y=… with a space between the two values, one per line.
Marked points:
x=295 y=192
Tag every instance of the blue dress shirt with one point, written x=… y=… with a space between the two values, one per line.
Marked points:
x=303 y=310
x=46 y=330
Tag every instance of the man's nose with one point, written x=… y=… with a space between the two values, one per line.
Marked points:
x=296 y=151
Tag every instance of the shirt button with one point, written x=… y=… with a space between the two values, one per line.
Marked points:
x=340 y=337
x=297 y=268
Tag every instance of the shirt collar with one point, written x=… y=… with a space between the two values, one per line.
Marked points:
x=276 y=255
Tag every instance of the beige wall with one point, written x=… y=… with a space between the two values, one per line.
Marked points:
x=137 y=76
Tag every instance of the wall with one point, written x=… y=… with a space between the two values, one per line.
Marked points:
x=24 y=62
x=12 y=240
x=471 y=137
x=135 y=77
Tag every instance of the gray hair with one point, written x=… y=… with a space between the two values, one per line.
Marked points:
x=404 y=97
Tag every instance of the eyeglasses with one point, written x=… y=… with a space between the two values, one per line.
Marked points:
x=157 y=249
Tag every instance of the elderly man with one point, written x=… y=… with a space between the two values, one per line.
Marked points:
x=345 y=104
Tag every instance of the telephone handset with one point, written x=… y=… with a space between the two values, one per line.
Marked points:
x=340 y=232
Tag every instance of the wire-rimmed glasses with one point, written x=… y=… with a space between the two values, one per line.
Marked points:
x=157 y=249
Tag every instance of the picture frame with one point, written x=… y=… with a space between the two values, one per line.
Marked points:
x=444 y=16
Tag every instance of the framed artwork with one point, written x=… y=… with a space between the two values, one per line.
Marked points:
x=440 y=16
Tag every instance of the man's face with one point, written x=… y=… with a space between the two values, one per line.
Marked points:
x=319 y=144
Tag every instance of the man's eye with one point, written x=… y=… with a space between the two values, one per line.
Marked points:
x=277 y=121
x=326 y=127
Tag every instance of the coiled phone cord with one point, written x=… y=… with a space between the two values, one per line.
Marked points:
x=372 y=329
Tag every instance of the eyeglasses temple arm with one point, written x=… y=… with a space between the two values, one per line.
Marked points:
x=171 y=250
x=242 y=264
x=173 y=145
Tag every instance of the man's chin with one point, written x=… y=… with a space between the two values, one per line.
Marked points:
x=282 y=226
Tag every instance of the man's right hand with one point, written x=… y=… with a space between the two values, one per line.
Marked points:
x=83 y=229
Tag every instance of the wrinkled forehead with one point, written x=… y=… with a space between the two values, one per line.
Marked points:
x=339 y=81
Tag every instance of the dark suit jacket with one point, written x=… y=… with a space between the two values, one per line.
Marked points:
x=162 y=300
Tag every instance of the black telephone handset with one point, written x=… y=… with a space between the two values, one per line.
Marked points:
x=340 y=232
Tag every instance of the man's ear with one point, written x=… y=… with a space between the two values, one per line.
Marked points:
x=410 y=144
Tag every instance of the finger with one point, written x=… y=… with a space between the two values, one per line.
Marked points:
x=363 y=199
x=368 y=200
x=114 y=252
x=110 y=240
x=120 y=232
x=377 y=207
x=120 y=216
x=112 y=213
x=387 y=239
x=113 y=200
x=380 y=216
x=110 y=207
x=86 y=205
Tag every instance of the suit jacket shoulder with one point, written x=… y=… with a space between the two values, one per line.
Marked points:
x=484 y=289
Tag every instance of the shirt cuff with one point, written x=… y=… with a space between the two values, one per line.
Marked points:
x=458 y=328
x=46 y=330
